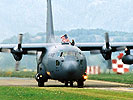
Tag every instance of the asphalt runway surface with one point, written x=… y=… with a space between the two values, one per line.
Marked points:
x=89 y=84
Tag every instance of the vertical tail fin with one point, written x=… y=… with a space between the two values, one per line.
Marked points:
x=50 y=38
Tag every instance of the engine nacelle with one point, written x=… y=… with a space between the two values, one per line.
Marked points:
x=106 y=54
x=17 y=57
x=127 y=59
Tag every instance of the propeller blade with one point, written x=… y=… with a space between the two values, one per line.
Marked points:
x=121 y=48
x=106 y=37
x=20 y=38
x=20 y=41
x=17 y=66
x=107 y=40
x=95 y=52
x=109 y=64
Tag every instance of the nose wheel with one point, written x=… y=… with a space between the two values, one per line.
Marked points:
x=40 y=84
x=80 y=83
x=71 y=83
x=66 y=84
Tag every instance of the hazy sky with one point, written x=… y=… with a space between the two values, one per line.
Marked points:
x=30 y=15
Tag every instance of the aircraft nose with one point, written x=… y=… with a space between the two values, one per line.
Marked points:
x=70 y=67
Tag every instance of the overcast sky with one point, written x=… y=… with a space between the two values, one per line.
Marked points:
x=30 y=15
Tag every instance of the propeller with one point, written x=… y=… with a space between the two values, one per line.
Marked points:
x=20 y=41
x=17 y=65
x=17 y=52
x=107 y=40
x=106 y=51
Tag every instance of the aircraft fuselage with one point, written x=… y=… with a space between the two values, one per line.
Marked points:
x=63 y=63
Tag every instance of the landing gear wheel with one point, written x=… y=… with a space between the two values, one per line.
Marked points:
x=66 y=84
x=80 y=84
x=41 y=84
x=71 y=83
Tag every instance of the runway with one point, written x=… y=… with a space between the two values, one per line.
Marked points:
x=89 y=84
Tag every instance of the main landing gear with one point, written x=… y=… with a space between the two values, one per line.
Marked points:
x=80 y=83
x=71 y=83
x=40 y=84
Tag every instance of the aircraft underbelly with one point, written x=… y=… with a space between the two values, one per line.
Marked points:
x=65 y=76
x=60 y=74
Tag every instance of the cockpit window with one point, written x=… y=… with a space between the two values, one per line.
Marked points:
x=69 y=53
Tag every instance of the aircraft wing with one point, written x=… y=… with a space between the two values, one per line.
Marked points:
x=89 y=46
x=25 y=47
x=99 y=46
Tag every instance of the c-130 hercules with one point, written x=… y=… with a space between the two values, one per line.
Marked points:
x=64 y=62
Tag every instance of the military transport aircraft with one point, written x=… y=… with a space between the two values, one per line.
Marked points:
x=62 y=61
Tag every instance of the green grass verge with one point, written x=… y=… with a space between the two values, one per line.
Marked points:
x=124 y=78
x=55 y=93
x=21 y=74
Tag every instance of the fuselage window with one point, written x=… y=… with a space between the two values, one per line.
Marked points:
x=57 y=63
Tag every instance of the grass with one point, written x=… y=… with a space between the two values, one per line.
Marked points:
x=21 y=74
x=124 y=78
x=59 y=93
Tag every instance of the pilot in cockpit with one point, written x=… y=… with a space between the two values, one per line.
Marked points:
x=72 y=43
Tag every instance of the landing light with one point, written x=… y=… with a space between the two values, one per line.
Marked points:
x=85 y=77
x=49 y=73
x=40 y=75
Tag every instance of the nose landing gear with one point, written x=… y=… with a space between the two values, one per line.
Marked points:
x=40 y=79
x=80 y=83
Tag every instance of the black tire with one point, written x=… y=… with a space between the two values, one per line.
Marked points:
x=80 y=84
x=71 y=84
x=66 y=84
x=40 y=84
